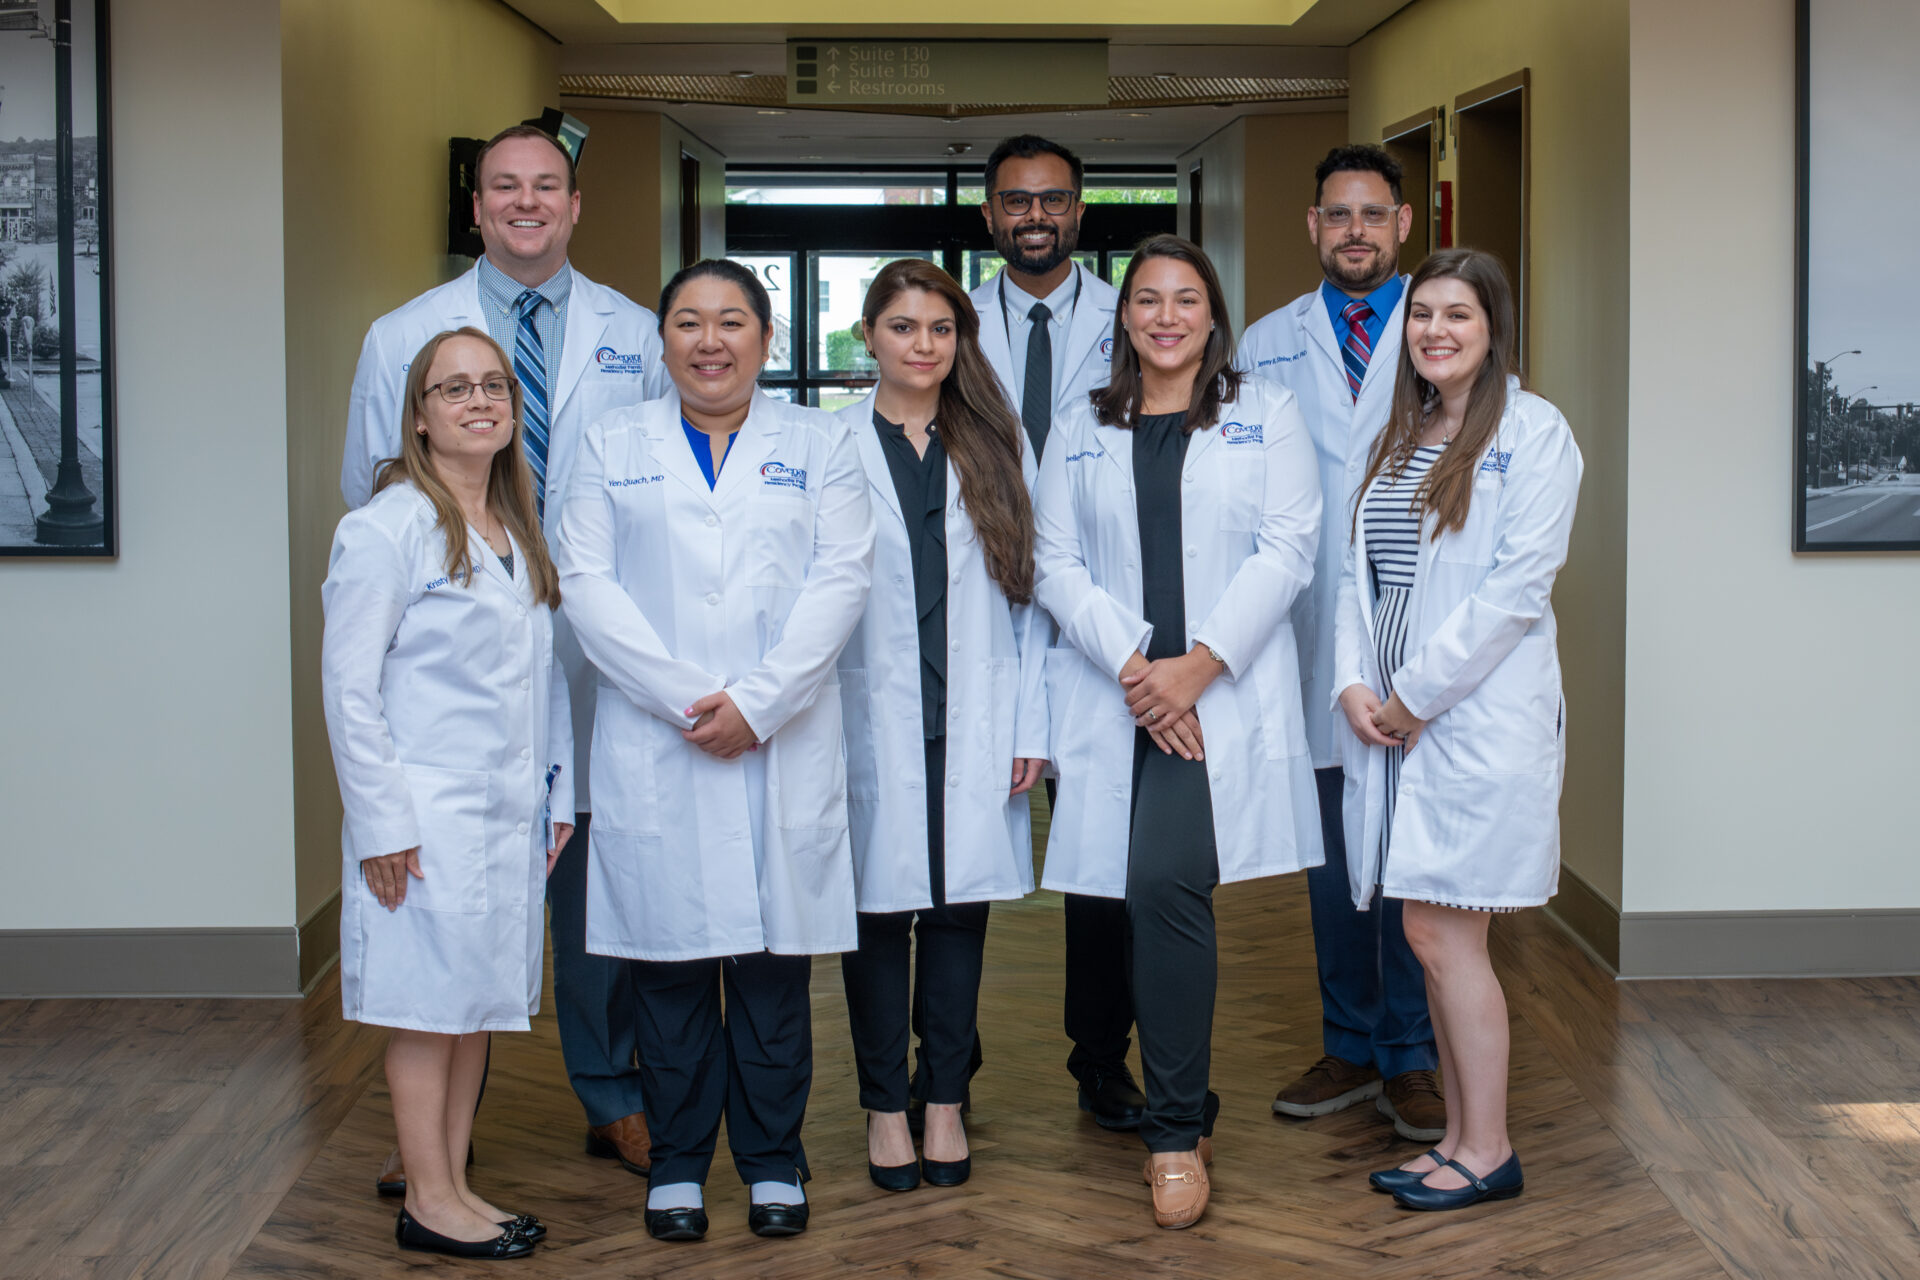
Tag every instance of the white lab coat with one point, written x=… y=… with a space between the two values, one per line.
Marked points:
x=1250 y=512
x=1296 y=347
x=610 y=356
x=1477 y=819
x=1089 y=340
x=996 y=710
x=447 y=712
x=677 y=592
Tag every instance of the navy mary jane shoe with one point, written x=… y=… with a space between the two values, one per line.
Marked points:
x=1394 y=1179
x=1503 y=1183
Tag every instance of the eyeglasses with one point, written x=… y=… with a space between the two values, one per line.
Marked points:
x=1016 y=203
x=459 y=390
x=1374 y=215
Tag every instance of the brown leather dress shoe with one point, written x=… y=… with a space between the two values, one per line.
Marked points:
x=1180 y=1187
x=1329 y=1085
x=625 y=1140
x=1205 y=1152
x=1412 y=1101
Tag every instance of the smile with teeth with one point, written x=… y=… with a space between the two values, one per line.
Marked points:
x=526 y=223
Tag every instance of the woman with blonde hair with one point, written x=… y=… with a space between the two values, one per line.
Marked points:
x=1449 y=678
x=451 y=735
x=946 y=712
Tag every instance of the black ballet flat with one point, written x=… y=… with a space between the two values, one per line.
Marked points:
x=777 y=1219
x=1395 y=1178
x=1503 y=1183
x=675 y=1224
x=947 y=1173
x=409 y=1234
x=528 y=1226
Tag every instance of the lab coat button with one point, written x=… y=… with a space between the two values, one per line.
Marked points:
x=713 y=597
x=1189 y=477
x=523 y=613
x=526 y=753
x=956 y=646
x=523 y=828
x=712 y=520
x=953 y=780
x=1192 y=552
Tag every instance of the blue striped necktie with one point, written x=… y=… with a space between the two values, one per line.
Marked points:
x=1356 y=349
x=530 y=366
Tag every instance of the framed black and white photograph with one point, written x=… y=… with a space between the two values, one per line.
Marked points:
x=1857 y=419
x=56 y=360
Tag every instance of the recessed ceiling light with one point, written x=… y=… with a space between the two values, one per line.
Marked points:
x=742 y=75
x=1137 y=115
x=1109 y=139
x=959 y=148
x=813 y=157
x=951 y=119
x=1166 y=75
x=769 y=113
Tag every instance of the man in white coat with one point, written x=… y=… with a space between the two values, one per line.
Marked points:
x=1046 y=326
x=1337 y=349
x=579 y=349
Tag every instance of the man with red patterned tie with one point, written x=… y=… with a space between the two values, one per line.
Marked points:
x=1336 y=349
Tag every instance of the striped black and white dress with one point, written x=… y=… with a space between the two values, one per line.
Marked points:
x=1390 y=522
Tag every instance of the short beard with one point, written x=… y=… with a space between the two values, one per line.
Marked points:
x=1347 y=277
x=1066 y=238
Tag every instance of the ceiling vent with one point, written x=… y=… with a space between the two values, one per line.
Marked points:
x=1123 y=92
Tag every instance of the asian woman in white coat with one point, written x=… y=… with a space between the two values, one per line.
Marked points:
x=943 y=685
x=715 y=551
x=1449 y=679
x=448 y=718
x=1178 y=512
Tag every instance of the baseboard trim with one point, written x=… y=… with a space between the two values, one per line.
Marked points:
x=148 y=963
x=1769 y=944
x=319 y=941
x=1589 y=916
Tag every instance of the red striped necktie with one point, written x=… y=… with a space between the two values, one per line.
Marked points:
x=1356 y=349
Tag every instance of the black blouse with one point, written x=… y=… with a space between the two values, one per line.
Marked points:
x=920 y=482
x=1159 y=452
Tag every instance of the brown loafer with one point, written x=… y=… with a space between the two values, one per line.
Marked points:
x=1329 y=1085
x=1205 y=1152
x=625 y=1140
x=392 y=1178
x=1180 y=1187
x=1412 y=1101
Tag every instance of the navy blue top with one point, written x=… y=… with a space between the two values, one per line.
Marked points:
x=1383 y=300
x=702 y=445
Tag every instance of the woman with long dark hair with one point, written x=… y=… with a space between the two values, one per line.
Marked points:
x=451 y=740
x=943 y=684
x=715 y=550
x=1178 y=514
x=1449 y=677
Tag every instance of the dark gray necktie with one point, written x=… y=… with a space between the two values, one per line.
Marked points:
x=1036 y=398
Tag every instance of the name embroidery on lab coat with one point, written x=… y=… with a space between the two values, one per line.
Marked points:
x=611 y=361
x=633 y=480
x=1241 y=433
x=1280 y=359
x=1089 y=453
x=774 y=473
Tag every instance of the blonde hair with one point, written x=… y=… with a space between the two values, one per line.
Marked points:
x=509 y=480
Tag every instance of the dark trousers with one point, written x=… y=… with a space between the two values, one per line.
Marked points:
x=1173 y=867
x=593 y=996
x=942 y=1007
x=1099 y=1007
x=754 y=1063
x=1373 y=992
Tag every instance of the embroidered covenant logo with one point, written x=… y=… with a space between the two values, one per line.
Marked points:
x=1496 y=462
x=1241 y=433
x=611 y=361
x=1106 y=350
x=790 y=477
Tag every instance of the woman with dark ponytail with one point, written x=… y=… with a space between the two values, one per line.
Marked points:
x=945 y=709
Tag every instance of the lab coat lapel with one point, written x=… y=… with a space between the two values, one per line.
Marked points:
x=873 y=459
x=1384 y=364
x=1320 y=329
x=1092 y=325
x=667 y=440
x=993 y=337
x=1117 y=444
x=758 y=441
x=464 y=303
x=480 y=552
x=587 y=319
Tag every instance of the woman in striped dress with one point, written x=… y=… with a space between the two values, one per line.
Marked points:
x=1446 y=660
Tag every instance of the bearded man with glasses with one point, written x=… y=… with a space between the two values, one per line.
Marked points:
x=1336 y=349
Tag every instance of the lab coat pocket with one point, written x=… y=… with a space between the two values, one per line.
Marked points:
x=639 y=900
x=1510 y=722
x=451 y=808
x=1065 y=671
x=808 y=769
x=1243 y=483
x=856 y=710
x=987 y=728
x=1472 y=543
x=781 y=542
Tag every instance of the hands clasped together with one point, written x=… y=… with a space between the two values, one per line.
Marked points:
x=1377 y=723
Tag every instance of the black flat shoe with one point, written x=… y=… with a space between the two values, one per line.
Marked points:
x=530 y=1227
x=409 y=1234
x=1113 y=1099
x=1395 y=1178
x=1503 y=1183
x=947 y=1173
x=777 y=1219
x=675 y=1224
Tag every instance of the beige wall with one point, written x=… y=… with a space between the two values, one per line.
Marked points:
x=1256 y=182
x=1577 y=53
x=372 y=90
x=1769 y=699
x=144 y=767
x=629 y=232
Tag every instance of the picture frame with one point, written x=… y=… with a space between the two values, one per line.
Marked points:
x=57 y=429
x=1856 y=424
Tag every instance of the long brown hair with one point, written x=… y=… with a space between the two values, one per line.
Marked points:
x=978 y=429
x=1217 y=382
x=509 y=480
x=1447 y=490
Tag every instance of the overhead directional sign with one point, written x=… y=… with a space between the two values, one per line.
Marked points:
x=894 y=72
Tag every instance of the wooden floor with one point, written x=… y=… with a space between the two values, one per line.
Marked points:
x=1670 y=1131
